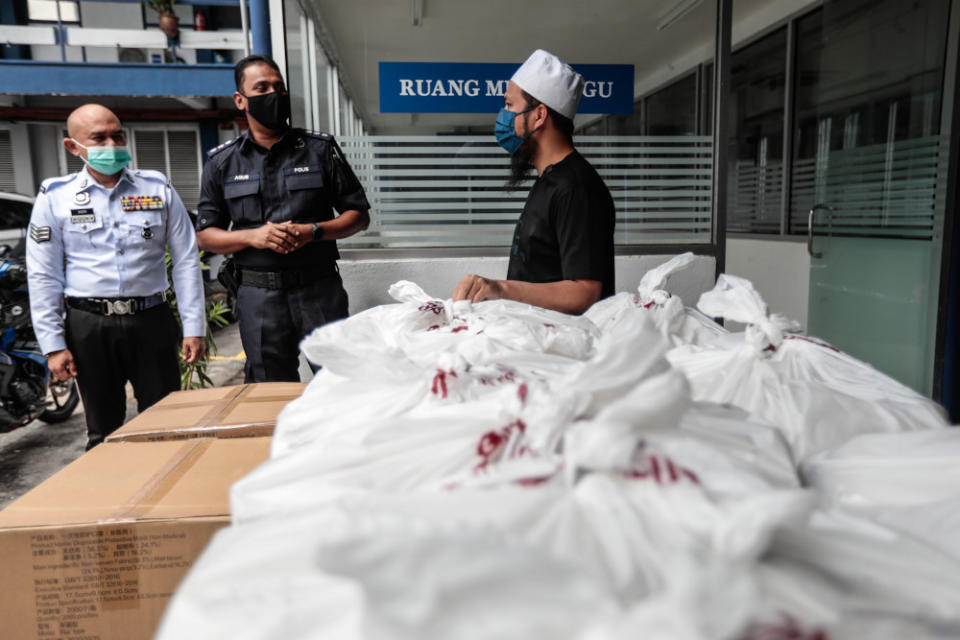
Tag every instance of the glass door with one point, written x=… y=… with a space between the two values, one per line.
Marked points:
x=865 y=177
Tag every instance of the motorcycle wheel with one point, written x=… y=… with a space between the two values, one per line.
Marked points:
x=62 y=400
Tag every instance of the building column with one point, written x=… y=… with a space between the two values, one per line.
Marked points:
x=260 y=26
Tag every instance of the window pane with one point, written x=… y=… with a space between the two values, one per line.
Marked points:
x=47 y=10
x=295 y=30
x=672 y=111
x=869 y=83
x=757 y=84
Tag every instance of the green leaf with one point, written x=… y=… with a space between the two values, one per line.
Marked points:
x=216 y=313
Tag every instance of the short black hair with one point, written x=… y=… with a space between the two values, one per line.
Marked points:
x=563 y=124
x=256 y=58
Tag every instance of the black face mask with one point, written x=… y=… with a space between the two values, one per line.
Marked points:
x=272 y=110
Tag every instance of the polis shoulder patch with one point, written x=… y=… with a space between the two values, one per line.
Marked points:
x=221 y=147
x=39 y=234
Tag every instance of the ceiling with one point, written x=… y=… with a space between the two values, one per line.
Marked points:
x=361 y=33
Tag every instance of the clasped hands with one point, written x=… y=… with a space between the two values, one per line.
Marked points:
x=282 y=237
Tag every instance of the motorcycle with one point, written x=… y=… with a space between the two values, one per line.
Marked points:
x=27 y=389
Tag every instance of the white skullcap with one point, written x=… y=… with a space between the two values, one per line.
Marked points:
x=551 y=81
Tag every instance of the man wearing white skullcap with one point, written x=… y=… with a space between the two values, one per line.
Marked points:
x=562 y=254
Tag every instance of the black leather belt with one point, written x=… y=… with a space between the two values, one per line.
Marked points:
x=117 y=306
x=288 y=279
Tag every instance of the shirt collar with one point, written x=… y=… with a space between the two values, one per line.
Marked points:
x=126 y=174
x=87 y=180
x=248 y=142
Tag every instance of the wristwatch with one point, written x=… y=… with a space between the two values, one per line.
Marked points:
x=317 y=231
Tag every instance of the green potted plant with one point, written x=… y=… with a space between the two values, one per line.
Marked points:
x=166 y=18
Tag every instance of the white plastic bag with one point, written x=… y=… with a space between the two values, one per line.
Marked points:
x=680 y=324
x=818 y=396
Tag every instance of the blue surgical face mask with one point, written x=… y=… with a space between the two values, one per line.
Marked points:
x=106 y=160
x=506 y=134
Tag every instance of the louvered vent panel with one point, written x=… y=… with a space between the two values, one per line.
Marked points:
x=8 y=181
x=185 y=166
x=149 y=150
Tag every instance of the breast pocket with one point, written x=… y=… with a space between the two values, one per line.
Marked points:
x=79 y=234
x=145 y=226
x=242 y=194
x=305 y=191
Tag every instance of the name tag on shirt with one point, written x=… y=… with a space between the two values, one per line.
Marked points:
x=82 y=215
x=141 y=203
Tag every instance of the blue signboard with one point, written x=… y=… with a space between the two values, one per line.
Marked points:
x=463 y=87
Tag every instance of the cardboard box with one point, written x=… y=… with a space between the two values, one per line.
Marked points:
x=248 y=410
x=96 y=551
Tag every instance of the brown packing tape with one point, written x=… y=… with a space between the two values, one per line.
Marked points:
x=211 y=421
x=252 y=406
x=221 y=408
x=122 y=524
x=259 y=399
x=244 y=430
x=153 y=490
x=204 y=395
x=151 y=433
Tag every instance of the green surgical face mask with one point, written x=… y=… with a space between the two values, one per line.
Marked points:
x=106 y=160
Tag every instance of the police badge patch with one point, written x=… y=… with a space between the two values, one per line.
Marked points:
x=39 y=234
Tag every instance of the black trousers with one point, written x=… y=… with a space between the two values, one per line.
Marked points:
x=110 y=350
x=274 y=321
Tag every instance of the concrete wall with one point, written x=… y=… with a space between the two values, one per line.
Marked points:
x=368 y=280
x=779 y=269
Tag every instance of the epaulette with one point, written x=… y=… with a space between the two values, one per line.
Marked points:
x=150 y=174
x=318 y=135
x=54 y=182
x=221 y=147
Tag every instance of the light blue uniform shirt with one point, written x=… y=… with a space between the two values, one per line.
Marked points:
x=87 y=241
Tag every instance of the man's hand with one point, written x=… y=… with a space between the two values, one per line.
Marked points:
x=61 y=364
x=302 y=233
x=476 y=288
x=276 y=237
x=192 y=349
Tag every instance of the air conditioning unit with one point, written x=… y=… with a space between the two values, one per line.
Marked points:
x=127 y=54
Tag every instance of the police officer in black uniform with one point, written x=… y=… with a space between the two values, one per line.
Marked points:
x=268 y=198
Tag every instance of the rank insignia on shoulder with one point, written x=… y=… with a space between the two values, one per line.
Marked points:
x=221 y=147
x=141 y=203
x=39 y=234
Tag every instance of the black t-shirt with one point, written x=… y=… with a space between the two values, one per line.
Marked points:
x=301 y=178
x=566 y=229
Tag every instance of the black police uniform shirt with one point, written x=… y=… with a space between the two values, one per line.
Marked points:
x=566 y=229
x=301 y=178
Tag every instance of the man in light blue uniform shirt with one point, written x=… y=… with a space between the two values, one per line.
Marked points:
x=97 y=275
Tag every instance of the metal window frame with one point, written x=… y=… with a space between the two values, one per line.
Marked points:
x=946 y=368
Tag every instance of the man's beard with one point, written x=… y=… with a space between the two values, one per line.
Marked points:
x=520 y=164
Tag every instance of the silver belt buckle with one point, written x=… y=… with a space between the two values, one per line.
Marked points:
x=119 y=307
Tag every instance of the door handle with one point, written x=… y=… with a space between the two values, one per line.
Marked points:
x=813 y=209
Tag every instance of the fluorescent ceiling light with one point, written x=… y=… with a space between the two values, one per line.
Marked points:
x=417 y=10
x=683 y=8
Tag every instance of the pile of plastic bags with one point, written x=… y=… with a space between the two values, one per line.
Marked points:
x=502 y=471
